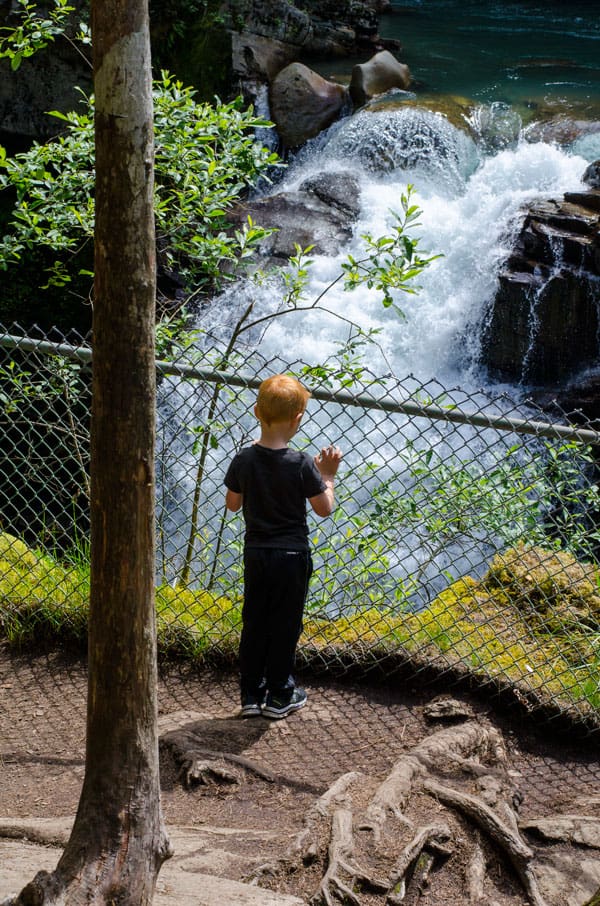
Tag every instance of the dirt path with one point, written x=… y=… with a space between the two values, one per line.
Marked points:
x=344 y=728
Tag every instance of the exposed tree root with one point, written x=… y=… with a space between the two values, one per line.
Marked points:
x=503 y=836
x=473 y=750
x=442 y=751
x=198 y=764
x=305 y=844
x=341 y=862
x=304 y=847
x=433 y=839
x=206 y=771
x=476 y=874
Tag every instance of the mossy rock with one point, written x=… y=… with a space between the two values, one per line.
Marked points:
x=555 y=592
x=16 y=553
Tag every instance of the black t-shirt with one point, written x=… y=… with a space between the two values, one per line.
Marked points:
x=275 y=485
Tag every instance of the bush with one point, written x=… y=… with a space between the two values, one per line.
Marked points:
x=206 y=156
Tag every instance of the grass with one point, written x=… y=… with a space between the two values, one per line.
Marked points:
x=533 y=621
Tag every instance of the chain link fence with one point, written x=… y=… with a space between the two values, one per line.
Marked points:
x=465 y=543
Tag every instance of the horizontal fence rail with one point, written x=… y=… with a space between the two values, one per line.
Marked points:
x=465 y=543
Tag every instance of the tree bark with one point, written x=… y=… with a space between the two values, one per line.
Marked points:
x=119 y=842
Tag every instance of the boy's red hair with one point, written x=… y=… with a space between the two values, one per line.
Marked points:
x=280 y=398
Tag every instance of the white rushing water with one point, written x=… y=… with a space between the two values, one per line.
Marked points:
x=469 y=209
x=470 y=203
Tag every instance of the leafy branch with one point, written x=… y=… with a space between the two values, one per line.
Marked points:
x=36 y=29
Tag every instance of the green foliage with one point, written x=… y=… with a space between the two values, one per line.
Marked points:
x=502 y=499
x=504 y=627
x=392 y=262
x=205 y=157
x=44 y=598
x=36 y=29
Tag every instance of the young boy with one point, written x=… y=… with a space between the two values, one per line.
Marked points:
x=272 y=483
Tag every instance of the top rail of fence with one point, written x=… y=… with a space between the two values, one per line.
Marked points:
x=361 y=400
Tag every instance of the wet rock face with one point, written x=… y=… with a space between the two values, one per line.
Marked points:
x=319 y=214
x=43 y=82
x=303 y=104
x=544 y=321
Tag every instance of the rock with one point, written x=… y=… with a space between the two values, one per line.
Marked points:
x=303 y=103
x=43 y=82
x=496 y=126
x=581 y=829
x=567 y=879
x=256 y=60
x=561 y=130
x=319 y=213
x=240 y=49
x=544 y=322
x=381 y=73
x=580 y=400
x=277 y=20
x=315 y=29
x=591 y=177
x=405 y=138
x=190 y=879
x=336 y=190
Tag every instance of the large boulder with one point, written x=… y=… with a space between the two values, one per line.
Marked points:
x=378 y=75
x=303 y=103
x=544 y=322
x=320 y=213
x=560 y=130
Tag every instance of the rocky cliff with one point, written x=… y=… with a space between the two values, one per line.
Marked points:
x=222 y=49
x=544 y=323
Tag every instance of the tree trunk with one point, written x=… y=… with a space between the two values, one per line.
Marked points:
x=119 y=842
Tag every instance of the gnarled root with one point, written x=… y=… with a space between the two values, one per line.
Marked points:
x=198 y=764
x=472 y=748
x=305 y=845
x=501 y=834
x=432 y=840
x=206 y=771
x=444 y=751
x=476 y=875
x=341 y=861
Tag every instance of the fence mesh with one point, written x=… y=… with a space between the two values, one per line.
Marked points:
x=465 y=541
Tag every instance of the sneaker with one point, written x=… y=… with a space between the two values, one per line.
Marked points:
x=276 y=707
x=251 y=706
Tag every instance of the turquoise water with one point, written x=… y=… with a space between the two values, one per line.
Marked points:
x=542 y=57
x=524 y=52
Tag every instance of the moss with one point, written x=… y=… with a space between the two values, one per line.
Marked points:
x=530 y=622
x=554 y=592
x=484 y=627
x=16 y=553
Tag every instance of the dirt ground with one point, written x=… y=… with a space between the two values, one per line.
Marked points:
x=346 y=727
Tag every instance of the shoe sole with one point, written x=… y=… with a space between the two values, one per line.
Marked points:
x=279 y=713
x=250 y=711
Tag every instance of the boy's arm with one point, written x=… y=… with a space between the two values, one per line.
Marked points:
x=233 y=501
x=327 y=462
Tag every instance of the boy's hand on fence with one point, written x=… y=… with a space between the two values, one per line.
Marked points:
x=328 y=461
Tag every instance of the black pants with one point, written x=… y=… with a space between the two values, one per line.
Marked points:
x=275 y=588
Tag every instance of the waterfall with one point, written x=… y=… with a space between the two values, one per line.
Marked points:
x=469 y=204
x=469 y=200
